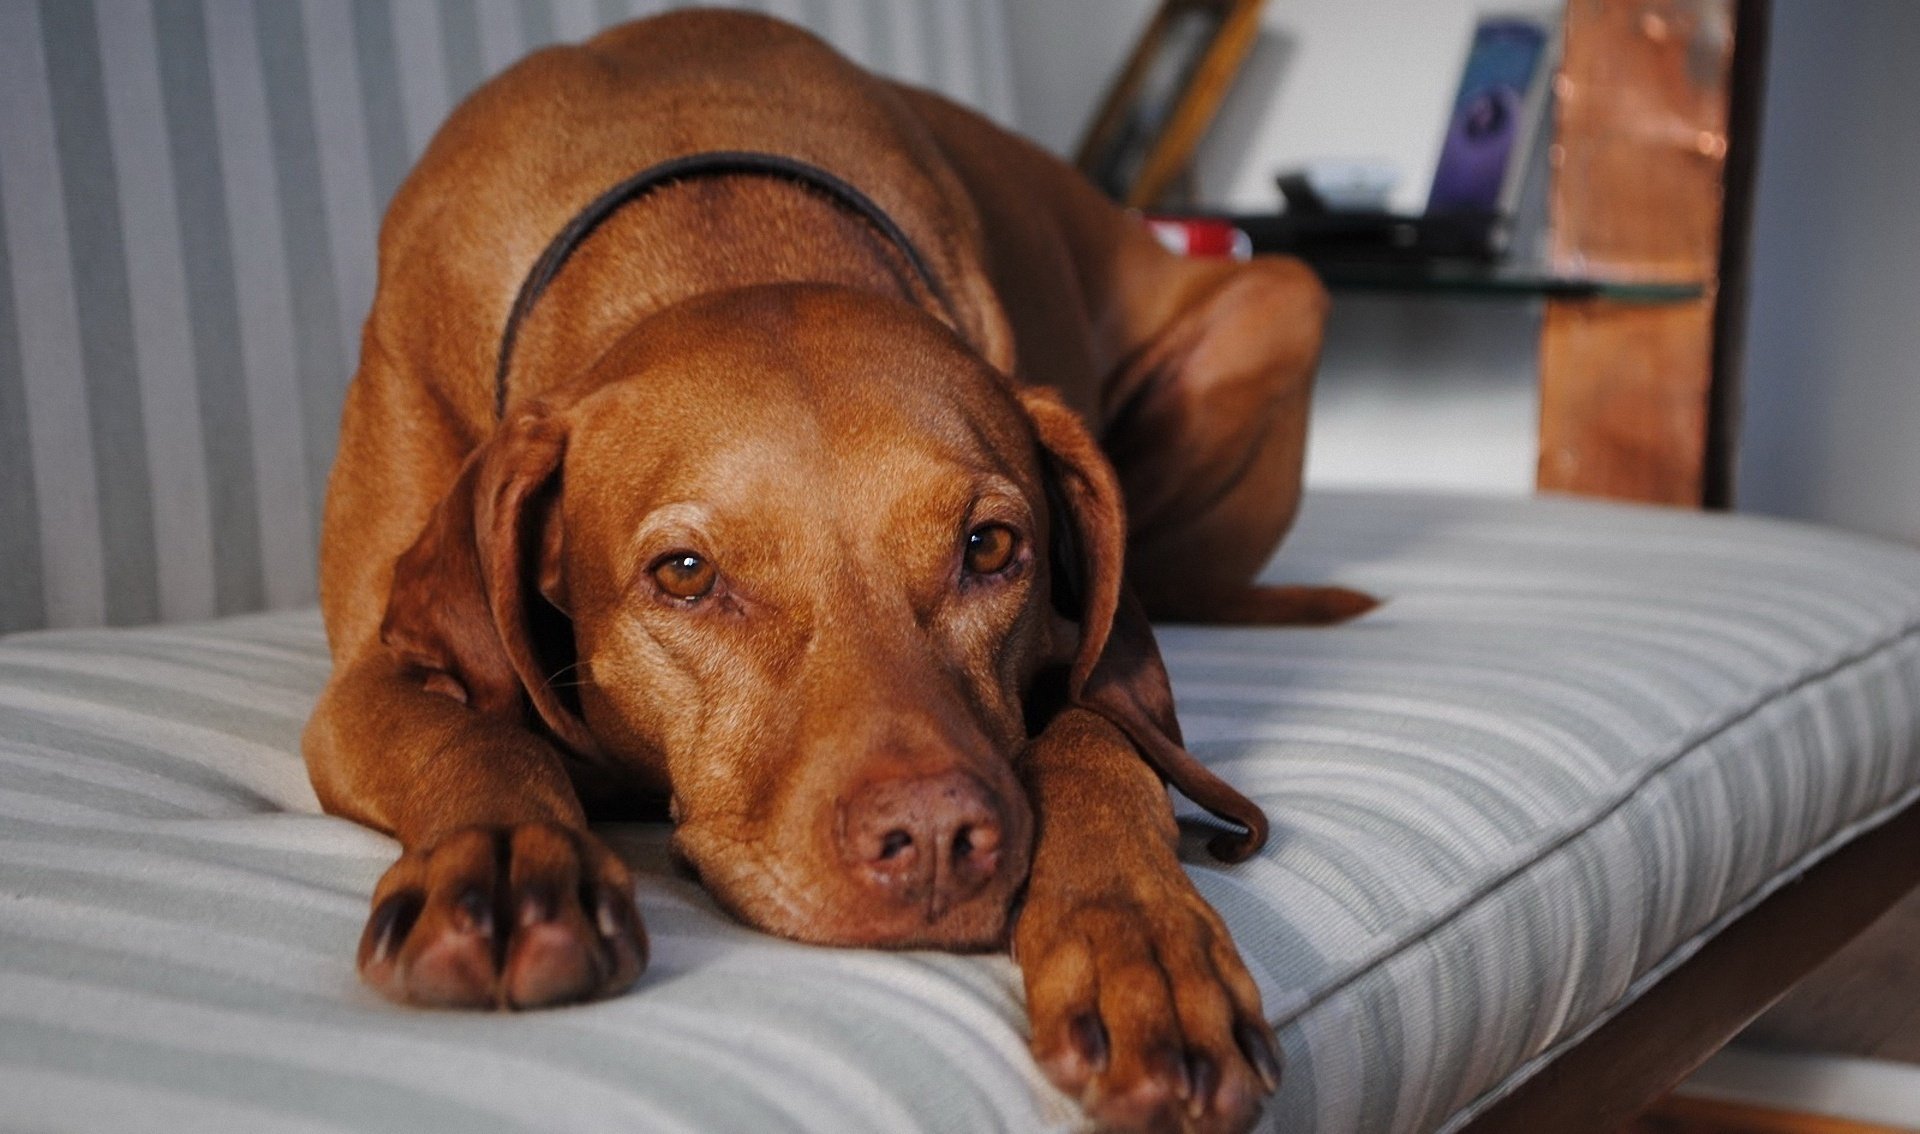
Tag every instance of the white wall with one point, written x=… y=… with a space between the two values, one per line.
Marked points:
x=1832 y=421
x=1429 y=393
x=1325 y=79
x=1341 y=80
x=1064 y=54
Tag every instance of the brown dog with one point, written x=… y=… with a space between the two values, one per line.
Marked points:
x=825 y=551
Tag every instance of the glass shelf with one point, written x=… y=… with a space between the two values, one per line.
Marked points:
x=1441 y=255
x=1468 y=278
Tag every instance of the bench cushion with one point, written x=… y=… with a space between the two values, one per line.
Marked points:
x=1577 y=740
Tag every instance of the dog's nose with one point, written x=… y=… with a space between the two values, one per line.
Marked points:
x=927 y=840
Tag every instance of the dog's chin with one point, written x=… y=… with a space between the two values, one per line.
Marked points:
x=961 y=931
x=775 y=897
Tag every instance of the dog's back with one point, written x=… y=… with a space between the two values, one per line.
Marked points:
x=529 y=149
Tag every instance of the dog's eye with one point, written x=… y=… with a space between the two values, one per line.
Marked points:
x=684 y=575
x=990 y=548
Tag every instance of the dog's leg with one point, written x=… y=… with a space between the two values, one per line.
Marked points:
x=501 y=897
x=1208 y=432
x=1140 y=1005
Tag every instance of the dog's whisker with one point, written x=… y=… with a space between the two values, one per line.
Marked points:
x=583 y=676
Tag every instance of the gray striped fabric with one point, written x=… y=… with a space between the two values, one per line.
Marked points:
x=1577 y=740
x=189 y=196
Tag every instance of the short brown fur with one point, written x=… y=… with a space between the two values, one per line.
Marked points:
x=863 y=740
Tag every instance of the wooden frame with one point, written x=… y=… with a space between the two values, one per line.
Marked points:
x=1640 y=171
x=1681 y=1115
x=1142 y=140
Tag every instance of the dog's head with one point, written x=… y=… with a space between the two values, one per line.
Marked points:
x=798 y=558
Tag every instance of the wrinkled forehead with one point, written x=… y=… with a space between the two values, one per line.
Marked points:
x=797 y=396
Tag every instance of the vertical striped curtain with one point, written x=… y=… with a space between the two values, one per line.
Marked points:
x=189 y=196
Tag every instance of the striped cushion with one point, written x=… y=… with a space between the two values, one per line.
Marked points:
x=189 y=196
x=1577 y=740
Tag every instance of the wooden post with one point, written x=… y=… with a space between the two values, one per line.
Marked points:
x=1639 y=152
x=1163 y=147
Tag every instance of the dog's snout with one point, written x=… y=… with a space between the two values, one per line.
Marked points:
x=931 y=841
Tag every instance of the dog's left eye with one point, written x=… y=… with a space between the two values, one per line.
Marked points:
x=684 y=575
x=990 y=549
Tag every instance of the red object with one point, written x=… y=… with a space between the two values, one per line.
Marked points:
x=1201 y=236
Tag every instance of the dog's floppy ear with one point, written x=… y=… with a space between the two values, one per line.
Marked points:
x=1115 y=669
x=476 y=604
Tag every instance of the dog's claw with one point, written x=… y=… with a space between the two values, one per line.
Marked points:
x=607 y=918
x=1258 y=1047
x=385 y=928
x=1090 y=1038
x=1203 y=1077
x=475 y=908
x=1170 y=1065
x=536 y=907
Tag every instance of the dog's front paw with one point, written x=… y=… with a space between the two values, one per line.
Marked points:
x=1142 y=1010
x=506 y=917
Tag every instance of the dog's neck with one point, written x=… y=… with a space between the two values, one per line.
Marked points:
x=690 y=238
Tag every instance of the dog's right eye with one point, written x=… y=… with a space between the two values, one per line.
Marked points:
x=990 y=549
x=684 y=575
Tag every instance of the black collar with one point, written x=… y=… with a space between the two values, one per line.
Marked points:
x=713 y=163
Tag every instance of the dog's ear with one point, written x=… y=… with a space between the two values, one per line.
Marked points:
x=1114 y=666
x=477 y=607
